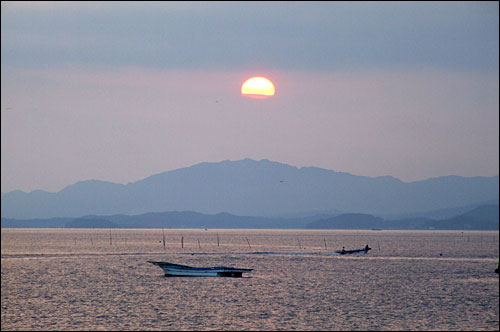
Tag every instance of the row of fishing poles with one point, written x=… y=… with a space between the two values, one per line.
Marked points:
x=218 y=242
x=199 y=244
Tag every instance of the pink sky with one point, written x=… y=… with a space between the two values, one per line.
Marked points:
x=67 y=125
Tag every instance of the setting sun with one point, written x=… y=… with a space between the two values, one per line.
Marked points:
x=257 y=87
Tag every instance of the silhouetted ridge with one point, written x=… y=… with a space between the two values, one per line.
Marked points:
x=252 y=188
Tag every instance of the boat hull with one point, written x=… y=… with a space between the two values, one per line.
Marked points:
x=177 y=270
x=355 y=251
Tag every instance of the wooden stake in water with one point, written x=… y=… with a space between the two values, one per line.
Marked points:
x=248 y=242
x=182 y=241
x=163 y=232
x=110 y=242
x=217 y=239
x=325 y=244
x=378 y=245
x=299 y=244
x=199 y=246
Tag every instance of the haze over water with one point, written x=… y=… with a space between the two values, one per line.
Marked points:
x=69 y=279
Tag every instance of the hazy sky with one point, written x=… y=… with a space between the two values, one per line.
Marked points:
x=121 y=91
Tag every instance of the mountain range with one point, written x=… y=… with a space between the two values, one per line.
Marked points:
x=483 y=217
x=252 y=188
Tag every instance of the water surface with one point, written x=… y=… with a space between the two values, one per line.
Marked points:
x=97 y=279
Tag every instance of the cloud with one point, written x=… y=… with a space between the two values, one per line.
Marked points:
x=228 y=36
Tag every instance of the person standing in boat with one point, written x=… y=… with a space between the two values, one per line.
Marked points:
x=343 y=250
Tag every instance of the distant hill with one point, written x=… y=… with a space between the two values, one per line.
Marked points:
x=252 y=188
x=35 y=223
x=480 y=218
x=90 y=223
x=190 y=219
x=440 y=213
x=348 y=221
x=173 y=219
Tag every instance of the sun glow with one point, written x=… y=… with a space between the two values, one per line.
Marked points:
x=257 y=87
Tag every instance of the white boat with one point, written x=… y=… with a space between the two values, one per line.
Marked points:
x=177 y=270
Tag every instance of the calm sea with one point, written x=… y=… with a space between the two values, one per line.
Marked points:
x=97 y=279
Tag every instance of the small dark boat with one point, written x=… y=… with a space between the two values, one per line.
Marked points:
x=177 y=270
x=354 y=251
